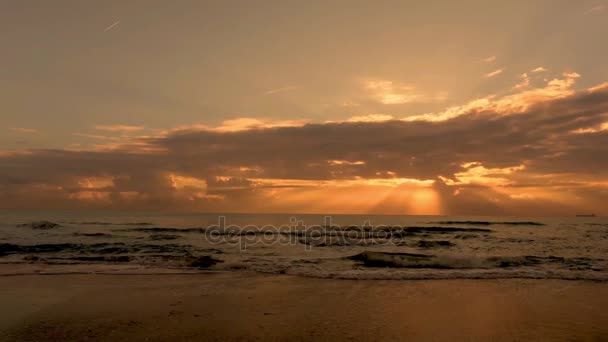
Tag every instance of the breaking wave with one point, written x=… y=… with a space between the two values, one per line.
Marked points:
x=410 y=260
x=406 y=249
x=489 y=223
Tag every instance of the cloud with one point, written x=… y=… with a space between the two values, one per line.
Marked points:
x=511 y=103
x=595 y=9
x=453 y=112
x=539 y=69
x=238 y=124
x=14 y=153
x=599 y=87
x=370 y=118
x=96 y=136
x=489 y=59
x=476 y=173
x=532 y=152
x=119 y=128
x=525 y=81
x=389 y=93
x=597 y=128
x=24 y=130
x=345 y=162
x=393 y=93
x=242 y=124
x=494 y=73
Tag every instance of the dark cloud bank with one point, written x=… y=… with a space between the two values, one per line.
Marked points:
x=557 y=161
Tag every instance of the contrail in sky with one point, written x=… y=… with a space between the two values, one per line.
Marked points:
x=279 y=90
x=112 y=26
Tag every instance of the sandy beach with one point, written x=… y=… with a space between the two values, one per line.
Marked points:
x=251 y=306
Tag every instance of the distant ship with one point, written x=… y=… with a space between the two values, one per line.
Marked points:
x=585 y=215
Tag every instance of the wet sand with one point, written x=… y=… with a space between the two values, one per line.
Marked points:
x=248 y=306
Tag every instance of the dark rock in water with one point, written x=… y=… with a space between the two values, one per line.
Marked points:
x=40 y=225
x=433 y=244
x=204 y=261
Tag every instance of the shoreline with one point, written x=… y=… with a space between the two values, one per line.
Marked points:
x=218 y=305
x=247 y=272
x=43 y=269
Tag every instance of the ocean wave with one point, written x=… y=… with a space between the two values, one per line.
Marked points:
x=98 y=223
x=161 y=230
x=442 y=230
x=42 y=225
x=119 y=268
x=97 y=248
x=489 y=223
x=202 y=262
x=409 y=260
x=381 y=232
x=108 y=259
x=434 y=244
x=161 y=237
x=99 y=235
x=453 y=274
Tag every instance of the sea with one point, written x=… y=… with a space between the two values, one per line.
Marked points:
x=324 y=246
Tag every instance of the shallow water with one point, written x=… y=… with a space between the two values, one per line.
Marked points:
x=336 y=246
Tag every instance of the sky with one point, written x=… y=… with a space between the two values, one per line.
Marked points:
x=363 y=107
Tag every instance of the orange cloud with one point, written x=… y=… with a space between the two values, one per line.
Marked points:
x=345 y=162
x=370 y=118
x=494 y=73
x=238 y=125
x=599 y=87
x=24 y=130
x=525 y=81
x=514 y=103
x=514 y=153
x=119 y=128
x=539 y=69
x=14 y=153
x=595 y=129
x=476 y=173
x=242 y=124
x=399 y=196
x=387 y=92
